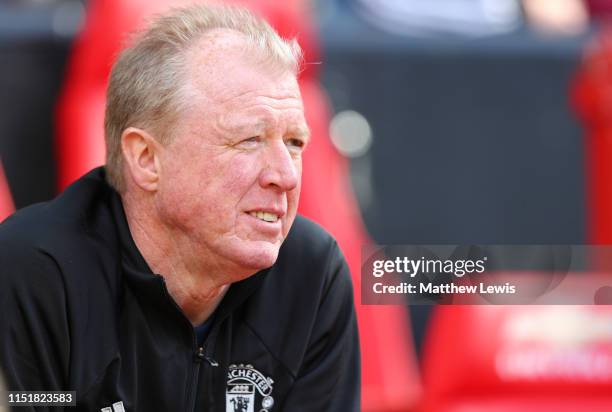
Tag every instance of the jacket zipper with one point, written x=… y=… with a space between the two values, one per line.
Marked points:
x=197 y=359
x=200 y=354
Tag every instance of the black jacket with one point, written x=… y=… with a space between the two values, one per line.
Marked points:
x=81 y=310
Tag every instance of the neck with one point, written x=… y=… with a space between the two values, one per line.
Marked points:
x=196 y=288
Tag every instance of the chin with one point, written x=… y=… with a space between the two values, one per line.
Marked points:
x=255 y=257
x=264 y=257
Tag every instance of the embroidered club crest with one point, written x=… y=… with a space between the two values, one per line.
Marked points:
x=245 y=386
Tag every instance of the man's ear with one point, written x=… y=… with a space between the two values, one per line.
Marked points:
x=141 y=156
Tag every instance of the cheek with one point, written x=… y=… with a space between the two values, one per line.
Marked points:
x=228 y=181
x=180 y=198
x=235 y=179
x=205 y=190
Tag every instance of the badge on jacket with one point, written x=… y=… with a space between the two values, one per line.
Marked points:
x=243 y=384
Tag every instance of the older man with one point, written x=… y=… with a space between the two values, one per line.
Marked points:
x=178 y=277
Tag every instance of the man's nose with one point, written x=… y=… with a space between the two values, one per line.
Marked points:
x=281 y=170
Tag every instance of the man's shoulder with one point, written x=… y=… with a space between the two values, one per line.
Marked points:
x=310 y=256
x=310 y=271
x=69 y=213
x=308 y=236
x=64 y=227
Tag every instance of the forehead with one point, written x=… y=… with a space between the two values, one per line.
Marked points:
x=222 y=68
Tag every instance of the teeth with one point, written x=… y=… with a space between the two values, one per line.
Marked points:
x=268 y=217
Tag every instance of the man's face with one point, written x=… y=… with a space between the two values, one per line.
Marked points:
x=230 y=178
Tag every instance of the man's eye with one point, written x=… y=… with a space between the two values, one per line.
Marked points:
x=296 y=145
x=250 y=142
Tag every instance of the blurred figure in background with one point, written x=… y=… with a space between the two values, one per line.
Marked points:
x=483 y=17
x=423 y=17
x=557 y=16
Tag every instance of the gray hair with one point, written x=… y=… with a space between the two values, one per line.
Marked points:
x=146 y=86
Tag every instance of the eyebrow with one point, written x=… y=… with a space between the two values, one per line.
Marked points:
x=302 y=131
x=241 y=125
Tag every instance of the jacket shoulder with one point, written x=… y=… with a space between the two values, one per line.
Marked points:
x=69 y=214
x=311 y=283
x=73 y=234
x=67 y=218
x=307 y=239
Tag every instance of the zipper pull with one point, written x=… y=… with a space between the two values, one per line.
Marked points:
x=201 y=355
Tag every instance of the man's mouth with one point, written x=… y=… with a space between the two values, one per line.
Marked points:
x=265 y=216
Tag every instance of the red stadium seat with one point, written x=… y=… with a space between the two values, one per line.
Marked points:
x=6 y=201
x=390 y=378
x=519 y=358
